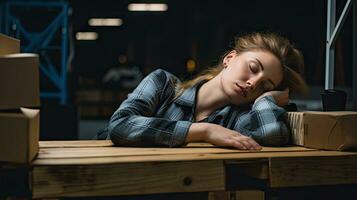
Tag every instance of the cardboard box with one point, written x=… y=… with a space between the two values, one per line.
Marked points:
x=324 y=130
x=19 y=135
x=19 y=81
x=8 y=45
x=19 y=76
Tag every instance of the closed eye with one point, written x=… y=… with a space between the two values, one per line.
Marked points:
x=262 y=68
x=253 y=68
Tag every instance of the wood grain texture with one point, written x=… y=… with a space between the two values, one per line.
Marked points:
x=81 y=152
x=141 y=155
x=127 y=179
x=309 y=171
x=97 y=168
x=75 y=143
x=103 y=152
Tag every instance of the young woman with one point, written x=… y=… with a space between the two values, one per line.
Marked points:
x=236 y=104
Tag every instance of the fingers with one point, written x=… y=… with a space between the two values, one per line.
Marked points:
x=228 y=138
x=246 y=143
x=253 y=145
x=237 y=144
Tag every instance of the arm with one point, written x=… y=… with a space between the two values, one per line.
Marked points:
x=265 y=122
x=133 y=123
x=220 y=136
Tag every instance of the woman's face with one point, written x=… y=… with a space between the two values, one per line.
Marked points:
x=248 y=75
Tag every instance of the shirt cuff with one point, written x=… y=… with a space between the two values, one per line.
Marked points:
x=180 y=133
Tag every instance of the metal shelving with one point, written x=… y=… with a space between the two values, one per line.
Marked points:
x=42 y=42
x=332 y=34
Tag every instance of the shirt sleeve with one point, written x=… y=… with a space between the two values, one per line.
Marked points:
x=265 y=123
x=134 y=124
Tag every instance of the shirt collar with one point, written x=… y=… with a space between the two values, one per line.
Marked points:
x=188 y=96
x=224 y=111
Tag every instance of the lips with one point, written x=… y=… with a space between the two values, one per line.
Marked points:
x=241 y=90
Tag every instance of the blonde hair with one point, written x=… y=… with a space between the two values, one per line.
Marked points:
x=289 y=57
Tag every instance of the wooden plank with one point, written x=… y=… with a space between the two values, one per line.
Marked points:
x=75 y=143
x=221 y=195
x=97 y=143
x=127 y=179
x=108 y=143
x=249 y=195
x=81 y=152
x=238 y=194
x=184 y=157
x=309 y=171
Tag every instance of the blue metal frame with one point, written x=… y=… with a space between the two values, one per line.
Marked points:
x=41 y=40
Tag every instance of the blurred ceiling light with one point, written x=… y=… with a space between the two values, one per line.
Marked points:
x=86 y=35
x=147 y=7
x=105 y=22
x=190 y=65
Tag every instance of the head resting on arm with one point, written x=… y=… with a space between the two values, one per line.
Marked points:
x=290 y=58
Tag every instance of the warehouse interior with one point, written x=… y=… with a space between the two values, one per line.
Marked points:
x=92 y=54
x=183 y=38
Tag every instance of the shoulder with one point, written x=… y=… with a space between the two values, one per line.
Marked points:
x=162 y=74
x=162 y=77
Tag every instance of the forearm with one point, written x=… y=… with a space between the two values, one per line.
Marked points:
x=197 y=132
x=219 y=136
x=265 y=123
x=135 y=130
x=201 y=132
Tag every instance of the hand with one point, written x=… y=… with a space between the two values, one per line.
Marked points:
x=220 y=136
x=281 y=97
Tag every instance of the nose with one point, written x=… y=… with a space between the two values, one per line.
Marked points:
x=252 y=82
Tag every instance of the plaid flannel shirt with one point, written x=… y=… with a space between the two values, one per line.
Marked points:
x=151 y=116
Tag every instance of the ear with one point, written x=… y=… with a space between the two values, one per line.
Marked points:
x=229 y=57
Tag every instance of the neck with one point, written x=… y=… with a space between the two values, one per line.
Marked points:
x=210 y=97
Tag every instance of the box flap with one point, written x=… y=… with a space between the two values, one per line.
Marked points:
x=19 y=55
x=30 y=113
x=8 y=45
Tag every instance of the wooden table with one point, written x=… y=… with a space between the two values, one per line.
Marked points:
x=97 y=168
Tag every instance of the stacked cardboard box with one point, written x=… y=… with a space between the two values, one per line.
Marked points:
x=19 y=88
x=324 y=130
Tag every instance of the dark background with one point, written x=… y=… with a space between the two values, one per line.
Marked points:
x=204 y=30
x=198 y=30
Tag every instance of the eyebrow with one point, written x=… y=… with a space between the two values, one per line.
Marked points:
x=262 y=68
